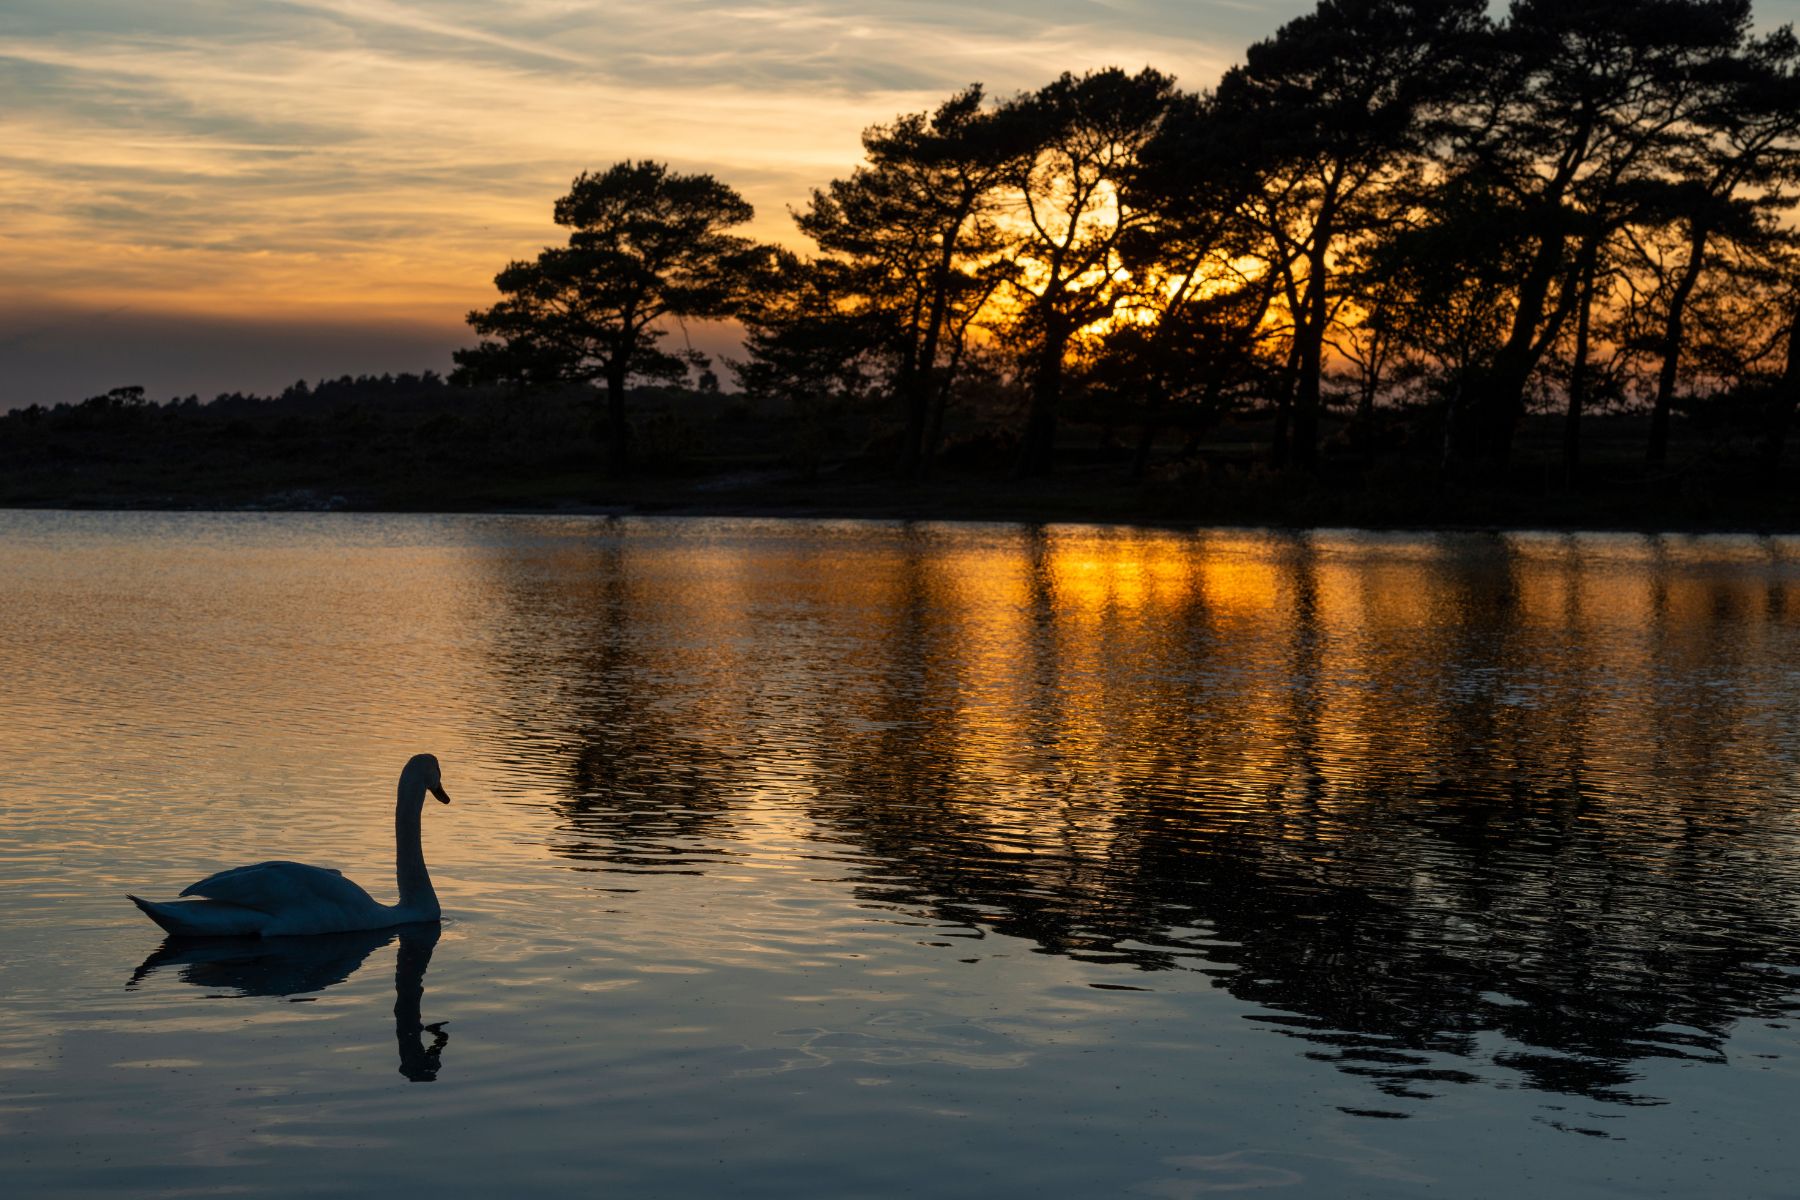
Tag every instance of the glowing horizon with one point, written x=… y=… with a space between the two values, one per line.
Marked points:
x=281 y=171
x=224 y=196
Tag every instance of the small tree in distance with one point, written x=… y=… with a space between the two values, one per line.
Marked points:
x=645 y=244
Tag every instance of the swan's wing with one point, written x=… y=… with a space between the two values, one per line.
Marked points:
x=274 y=887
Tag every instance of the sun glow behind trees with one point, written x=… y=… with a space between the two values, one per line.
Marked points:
x=189 y=181
x=1391 y=205
x=1391 y=201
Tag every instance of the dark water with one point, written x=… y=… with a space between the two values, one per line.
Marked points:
x=864 y=859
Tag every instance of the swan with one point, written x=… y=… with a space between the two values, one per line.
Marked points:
x=276 y=899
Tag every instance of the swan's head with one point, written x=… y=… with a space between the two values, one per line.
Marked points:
x=423 y=770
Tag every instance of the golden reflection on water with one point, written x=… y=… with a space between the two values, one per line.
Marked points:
x=1409 y=786
x=1342 y=648
x=1401 y=792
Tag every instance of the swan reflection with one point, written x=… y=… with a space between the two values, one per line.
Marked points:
x=289 y=966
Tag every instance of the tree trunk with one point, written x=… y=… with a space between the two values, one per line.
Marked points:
x=1365 y=422
x=1039 y=446
x=1154 y=406
x=1140 y=459
x=1657 y=452
x=1578 y=373
x=1782 y=406
x=920 y=389
x=1279 y=441
x=618 y=432
x=910 y=386
x=940 y=404
x=1309 y=334
x=1496 y=399
x=1040 y=423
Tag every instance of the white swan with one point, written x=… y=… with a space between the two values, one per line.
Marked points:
x=273 y=899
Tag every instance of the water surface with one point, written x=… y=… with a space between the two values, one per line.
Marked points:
x=866 y=859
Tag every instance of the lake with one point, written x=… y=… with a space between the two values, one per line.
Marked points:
x=866 y=859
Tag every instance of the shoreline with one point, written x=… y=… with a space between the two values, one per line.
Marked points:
x=962 y=514
x=452 y=453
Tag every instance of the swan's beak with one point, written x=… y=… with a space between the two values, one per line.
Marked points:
x=437 y=789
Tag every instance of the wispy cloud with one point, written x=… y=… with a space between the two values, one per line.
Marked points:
x=380 y=159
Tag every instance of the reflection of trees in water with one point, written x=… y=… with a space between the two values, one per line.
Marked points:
x=1404 y=803
x=1390 y=884
x=639 y=793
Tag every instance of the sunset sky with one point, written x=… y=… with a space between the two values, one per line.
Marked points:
x=232 y=194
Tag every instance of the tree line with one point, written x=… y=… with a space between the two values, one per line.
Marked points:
x=1391 y=206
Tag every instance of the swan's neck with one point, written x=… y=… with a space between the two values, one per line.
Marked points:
x=416 y=894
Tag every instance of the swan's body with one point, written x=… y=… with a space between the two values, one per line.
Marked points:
x=275 y=899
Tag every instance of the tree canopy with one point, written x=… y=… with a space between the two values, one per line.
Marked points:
x=647 y=247
x=1395 y=222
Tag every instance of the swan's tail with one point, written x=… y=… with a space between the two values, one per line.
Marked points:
x=202 y=918
x=157 y=912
